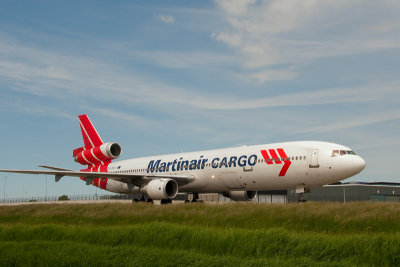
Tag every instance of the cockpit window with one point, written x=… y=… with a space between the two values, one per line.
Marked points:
x=337 y=153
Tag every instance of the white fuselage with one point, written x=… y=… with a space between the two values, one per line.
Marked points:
x=287 y=165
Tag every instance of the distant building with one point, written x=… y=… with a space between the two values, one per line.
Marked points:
x=355 y=191
x=267 y=196
x=340 y=192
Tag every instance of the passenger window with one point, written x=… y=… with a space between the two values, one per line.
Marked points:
x=297 y=158
x=304 y=157
x=301 y=157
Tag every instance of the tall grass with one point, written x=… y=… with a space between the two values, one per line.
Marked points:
x=242 y=234
x=319 y=217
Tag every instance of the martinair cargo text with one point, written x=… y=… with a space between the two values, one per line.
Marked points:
x=237 y=172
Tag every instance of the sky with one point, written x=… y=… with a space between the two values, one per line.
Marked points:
x=169 y=76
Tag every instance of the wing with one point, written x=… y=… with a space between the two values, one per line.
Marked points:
x=122 y=177
x=53 y=168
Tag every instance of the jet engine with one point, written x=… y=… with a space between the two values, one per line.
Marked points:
x=161 y=189
x=103 y=153
x=241 y=195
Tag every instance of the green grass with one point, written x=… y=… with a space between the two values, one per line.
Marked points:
x=201 y=235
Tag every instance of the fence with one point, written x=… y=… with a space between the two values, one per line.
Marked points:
x=70 y=197
x=214 y=198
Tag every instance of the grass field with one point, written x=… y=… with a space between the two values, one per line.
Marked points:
x=238 y=234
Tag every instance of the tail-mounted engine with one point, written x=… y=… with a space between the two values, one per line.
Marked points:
x=241 y=195
x=97 y=155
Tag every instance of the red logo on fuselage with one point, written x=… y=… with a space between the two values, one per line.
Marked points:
x=277 y=159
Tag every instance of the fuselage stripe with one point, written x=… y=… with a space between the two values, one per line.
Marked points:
x=286 y=161
x=265 y=155
x=274 y=156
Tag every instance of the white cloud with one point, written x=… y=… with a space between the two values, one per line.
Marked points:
x=54 y=75
x=166 y=19
x=268 y=33
x=235 y=7
x=125 y=117
x=183 y=59
x=355 y=122
x=51 y=74
x=270 y=75
x=233 y=40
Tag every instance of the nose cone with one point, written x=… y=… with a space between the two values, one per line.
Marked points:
x=348 y=166
x=359 y=164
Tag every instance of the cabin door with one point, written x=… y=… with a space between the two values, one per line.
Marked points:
x=314 y=159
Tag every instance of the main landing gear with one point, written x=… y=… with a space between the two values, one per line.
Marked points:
x=142 y=199
x=166 y=201
x=150 y=201
x=195 y=199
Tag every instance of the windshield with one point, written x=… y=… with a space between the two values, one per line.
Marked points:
x=337 y=153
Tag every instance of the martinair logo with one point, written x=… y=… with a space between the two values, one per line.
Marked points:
x=272 y=157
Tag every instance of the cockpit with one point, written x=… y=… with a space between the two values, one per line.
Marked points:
x=338 y=153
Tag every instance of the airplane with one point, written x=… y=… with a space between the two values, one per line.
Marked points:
x=237 y=172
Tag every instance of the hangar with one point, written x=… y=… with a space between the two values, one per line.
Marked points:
x=354 y=191
x=339 y=192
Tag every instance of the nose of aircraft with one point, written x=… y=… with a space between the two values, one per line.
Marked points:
x=348 y=166
x=359 y=164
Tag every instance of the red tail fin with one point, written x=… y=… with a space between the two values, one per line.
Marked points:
x=90 y=136
x=95 y=153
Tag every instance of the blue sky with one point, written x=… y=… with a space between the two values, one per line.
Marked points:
x=168 y=76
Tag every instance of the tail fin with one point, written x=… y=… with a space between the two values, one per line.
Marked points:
x=95 y=152
x=90 y=136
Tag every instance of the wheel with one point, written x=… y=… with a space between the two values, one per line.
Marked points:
x=166 y=201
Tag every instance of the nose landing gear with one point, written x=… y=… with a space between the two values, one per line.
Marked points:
x=301 y=191
x=301 y=198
